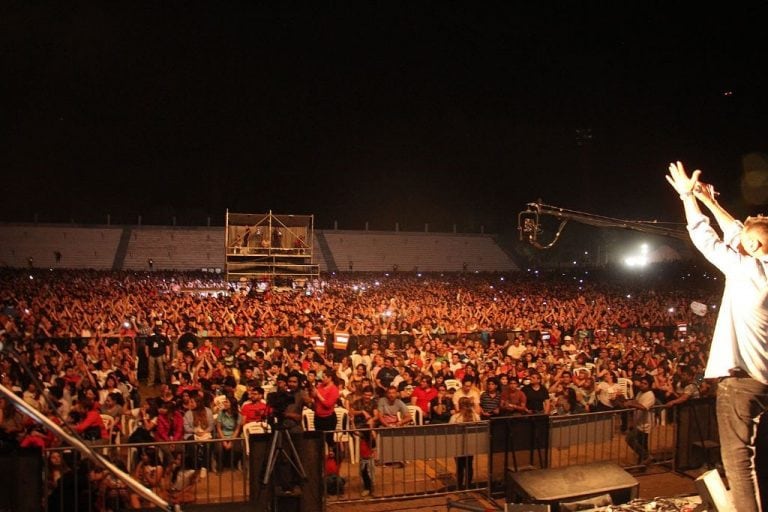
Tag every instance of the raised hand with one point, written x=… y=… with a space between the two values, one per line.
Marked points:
x=679 y=179
x=705 y=192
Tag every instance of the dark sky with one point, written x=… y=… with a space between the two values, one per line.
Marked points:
x=417 y=112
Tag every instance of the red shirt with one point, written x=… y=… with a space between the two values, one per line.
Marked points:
x=423 y=397
x=325 y=401
x=92 y=419
x=170 y=429
x=253 y=411
x=331 y=467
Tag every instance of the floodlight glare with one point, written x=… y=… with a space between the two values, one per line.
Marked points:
x=636 y=261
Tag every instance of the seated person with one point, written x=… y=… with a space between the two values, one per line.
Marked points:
x=254 y=409
x=441 y=407
x=392 y=411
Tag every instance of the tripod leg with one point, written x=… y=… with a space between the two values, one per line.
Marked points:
x=271 y=459
x=296 y=460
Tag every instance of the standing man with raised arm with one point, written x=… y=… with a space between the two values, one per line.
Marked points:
x=739 y=351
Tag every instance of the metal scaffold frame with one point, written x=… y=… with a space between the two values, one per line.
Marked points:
x=266 y=246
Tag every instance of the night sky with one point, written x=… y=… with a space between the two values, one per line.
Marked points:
x=417 y=112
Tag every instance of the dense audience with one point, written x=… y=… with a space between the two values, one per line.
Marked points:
x=483 y=345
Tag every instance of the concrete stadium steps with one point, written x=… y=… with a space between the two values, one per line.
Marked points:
x=80 y=247
x=194 y=248
x=381 y=251
x=319 y=251
x=181 y=248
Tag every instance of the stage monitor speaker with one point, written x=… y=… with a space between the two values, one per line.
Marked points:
x=21 y=471
x=562 y=485
x=713 y=493
x=310 y=447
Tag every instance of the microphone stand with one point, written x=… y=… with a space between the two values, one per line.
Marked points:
x=72 y=437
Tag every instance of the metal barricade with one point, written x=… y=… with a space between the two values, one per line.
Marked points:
x=391 y=463
x=603 y=437
x=182 y=472
x=413 y=461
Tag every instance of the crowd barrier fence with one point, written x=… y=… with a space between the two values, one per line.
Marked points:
x=425 y=460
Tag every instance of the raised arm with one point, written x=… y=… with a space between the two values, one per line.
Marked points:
x=707 y=195
x=685 y=186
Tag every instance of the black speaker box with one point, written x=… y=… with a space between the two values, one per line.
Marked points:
x=311 y=495
x=562 y=485
x=21 y=474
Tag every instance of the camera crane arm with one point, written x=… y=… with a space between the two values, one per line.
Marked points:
x=528 y=224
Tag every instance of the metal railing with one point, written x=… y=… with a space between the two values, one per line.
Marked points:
x=602 y=437
x=189 y=472
x=427 y=460
x=412 y=461
x=402 y=462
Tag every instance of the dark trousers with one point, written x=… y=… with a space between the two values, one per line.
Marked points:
x=638 y=441
x=741 y=404
x=464 y=471
x=327 y=424
x=366 y=473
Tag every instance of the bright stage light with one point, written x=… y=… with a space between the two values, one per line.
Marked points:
x=635 y=261
x=639 y=259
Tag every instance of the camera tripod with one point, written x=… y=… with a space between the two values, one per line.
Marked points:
x=282 y=445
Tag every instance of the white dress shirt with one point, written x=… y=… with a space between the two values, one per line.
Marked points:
x=741 y=333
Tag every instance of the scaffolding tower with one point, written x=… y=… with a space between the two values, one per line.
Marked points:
x=266 y=246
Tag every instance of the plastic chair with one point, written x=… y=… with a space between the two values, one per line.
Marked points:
x=128 y=424
x=416 y=414
x=452 y=383
x=626 y=387
x=342 y=434
x=253 y=427
x=128 y=391
x=308 y=419
x=109 y=424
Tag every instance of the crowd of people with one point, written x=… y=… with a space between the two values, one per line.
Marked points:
x=454 y=347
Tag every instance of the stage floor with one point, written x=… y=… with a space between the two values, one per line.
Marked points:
x=656 y=482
